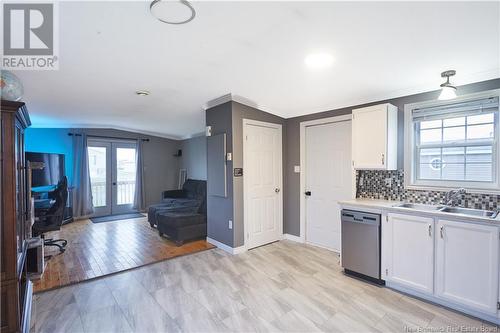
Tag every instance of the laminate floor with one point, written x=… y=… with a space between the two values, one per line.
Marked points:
x=96 y=250
x=281 y=287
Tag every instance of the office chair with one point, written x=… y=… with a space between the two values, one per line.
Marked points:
x=51 y=219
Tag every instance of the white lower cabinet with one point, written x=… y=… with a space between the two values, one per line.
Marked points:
x=455 y=263
x=410 y=252
x=467 y=265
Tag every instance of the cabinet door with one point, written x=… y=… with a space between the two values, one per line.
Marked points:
x=410 y=250
x=369 y=137
x=467 y=264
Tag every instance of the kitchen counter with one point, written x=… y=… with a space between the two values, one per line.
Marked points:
x=377 y=205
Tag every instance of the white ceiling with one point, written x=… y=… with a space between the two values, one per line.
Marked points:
x=108 y=50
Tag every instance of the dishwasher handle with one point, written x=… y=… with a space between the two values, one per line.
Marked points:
x=360 y=217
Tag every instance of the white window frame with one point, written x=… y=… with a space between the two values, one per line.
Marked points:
x=410 y=171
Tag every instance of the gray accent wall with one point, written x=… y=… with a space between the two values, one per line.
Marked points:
x=161 y=168
x=228 y=118
x=241 y=112
x=219 y=209
x=292 y=179
x=194 y=157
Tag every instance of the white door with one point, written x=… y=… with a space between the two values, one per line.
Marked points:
x=410 y=242
x=112 y=169
x=329 y=178
x=124 y=173
x=99 y=158
x=467 y=264
x=262 y=183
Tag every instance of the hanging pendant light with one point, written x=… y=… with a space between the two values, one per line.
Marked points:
x=448 y=91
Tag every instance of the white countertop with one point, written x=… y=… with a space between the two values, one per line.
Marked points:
x=389 y=206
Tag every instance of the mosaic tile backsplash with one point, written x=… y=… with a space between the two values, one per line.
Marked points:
x=389 y=185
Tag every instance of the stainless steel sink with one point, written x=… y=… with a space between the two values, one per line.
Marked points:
x=419 y=206
x=469 y=211
x=449 y=209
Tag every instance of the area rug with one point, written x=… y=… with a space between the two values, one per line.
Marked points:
x=110 y=218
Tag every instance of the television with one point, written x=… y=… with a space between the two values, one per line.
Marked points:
x=52 y=172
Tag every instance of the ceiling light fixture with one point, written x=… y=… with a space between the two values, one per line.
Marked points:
x=172 y=11
x=142 y=93
x=448 y=91
x=318 y=60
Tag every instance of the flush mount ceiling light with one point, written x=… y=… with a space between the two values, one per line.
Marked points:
x=142 y=93
x=318 y=60
x=448 y=91
x=172 y=11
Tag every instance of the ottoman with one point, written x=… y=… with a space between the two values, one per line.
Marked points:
x=181 y=226
x=170 y=204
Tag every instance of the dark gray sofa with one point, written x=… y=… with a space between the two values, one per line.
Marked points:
x=191 y=197
x=182 y=214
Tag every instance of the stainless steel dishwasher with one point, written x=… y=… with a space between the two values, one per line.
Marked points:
x=361 y=244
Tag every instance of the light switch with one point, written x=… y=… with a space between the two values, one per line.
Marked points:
x=229 y=157
x=296 y=169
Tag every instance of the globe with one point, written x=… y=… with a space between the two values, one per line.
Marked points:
x=12 y=88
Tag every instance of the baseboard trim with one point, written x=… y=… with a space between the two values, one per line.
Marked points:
x=227 y=248
x=293 y=238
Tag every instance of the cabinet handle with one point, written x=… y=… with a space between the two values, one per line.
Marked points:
x=383 y=159
x=441 y=231
x=430 y=230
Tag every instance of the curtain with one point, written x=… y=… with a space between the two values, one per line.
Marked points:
x=139 y=202
x=82 y=192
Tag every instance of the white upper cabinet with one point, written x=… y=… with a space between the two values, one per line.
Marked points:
x=467 y=264
x=374 y=137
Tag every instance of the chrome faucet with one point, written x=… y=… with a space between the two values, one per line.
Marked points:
x=452 y=195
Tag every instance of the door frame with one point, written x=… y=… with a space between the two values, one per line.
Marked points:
x=279 y=127
x=303 y=166
x=97 y=141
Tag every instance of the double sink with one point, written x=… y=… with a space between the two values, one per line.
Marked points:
x=452 y=210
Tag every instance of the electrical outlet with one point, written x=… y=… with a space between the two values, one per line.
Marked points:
x=296 y=168
x=230 y=224
x=388 y=182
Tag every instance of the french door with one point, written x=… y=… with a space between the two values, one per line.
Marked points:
x=112 y=167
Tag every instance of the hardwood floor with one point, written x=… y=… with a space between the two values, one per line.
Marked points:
x=281 y=287
x=96 y=250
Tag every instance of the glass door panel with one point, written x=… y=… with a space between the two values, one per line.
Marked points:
x=99 y=153
x=124 y=176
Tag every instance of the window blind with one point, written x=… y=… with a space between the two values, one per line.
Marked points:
x=481 y=106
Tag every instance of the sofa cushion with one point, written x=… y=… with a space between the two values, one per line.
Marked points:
x=190 y=187
x=179 y=219
x=182 y=202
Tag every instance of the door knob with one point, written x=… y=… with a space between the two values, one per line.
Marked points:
x=277 y=190
x=308 y=193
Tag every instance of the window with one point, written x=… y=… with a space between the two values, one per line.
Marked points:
x=453 y=145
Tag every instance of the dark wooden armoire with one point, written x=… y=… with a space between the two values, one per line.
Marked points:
x=15 y=207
